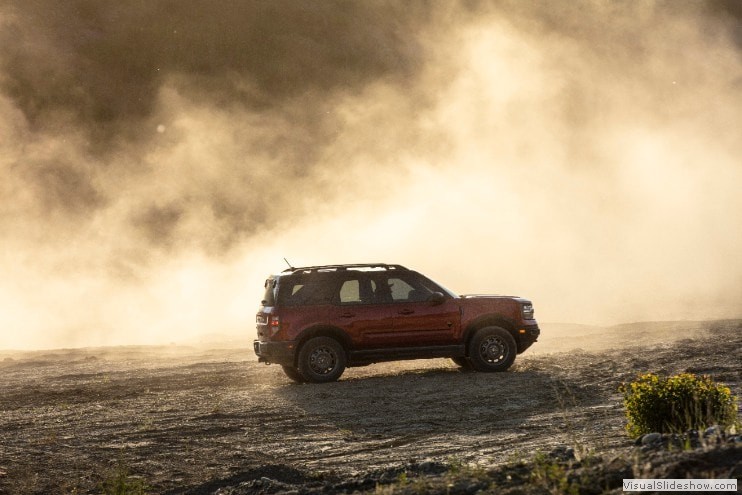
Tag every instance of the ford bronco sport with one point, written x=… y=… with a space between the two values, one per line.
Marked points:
x=316 y=321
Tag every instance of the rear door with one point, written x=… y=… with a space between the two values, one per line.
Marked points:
x=369 y=325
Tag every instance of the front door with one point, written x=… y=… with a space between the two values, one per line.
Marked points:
x=416 y=320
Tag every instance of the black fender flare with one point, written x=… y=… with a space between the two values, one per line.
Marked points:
x=322 y=331
x=488 y=320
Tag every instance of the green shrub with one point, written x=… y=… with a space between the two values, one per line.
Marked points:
x=120 y=483
x=677 y=404
x=552 y=476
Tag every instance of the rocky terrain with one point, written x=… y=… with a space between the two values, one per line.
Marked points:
x=194 y=420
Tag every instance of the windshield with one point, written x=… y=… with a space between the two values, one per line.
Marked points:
x=435 y=286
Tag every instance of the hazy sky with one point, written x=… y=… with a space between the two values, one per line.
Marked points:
x=159 y=158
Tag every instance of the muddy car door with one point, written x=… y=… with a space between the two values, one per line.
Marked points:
x=368 y=324
x=421 y=315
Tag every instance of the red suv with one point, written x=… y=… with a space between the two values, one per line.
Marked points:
x=316 y=321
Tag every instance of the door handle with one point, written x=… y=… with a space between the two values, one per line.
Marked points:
x=347 y=314
x=406 y=312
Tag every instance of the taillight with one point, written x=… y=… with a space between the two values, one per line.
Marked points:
x=274 y=323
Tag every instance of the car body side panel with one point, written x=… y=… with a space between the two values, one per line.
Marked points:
x=476 y=308
x=366 y=325
x=293 y=320
x=423 y=323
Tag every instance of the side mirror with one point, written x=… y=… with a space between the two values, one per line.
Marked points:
x=436 y=298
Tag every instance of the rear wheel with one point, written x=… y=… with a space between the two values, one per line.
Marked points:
x=492 y=349
x=293 y=373
x=321 y=359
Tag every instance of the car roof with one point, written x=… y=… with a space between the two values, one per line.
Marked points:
x=340 y=268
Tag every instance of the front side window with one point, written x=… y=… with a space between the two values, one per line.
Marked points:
x=402 y=288
x=409 y=290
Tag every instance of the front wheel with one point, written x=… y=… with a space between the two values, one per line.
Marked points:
x=321 y=359
x=492 y=349
x=462 y=362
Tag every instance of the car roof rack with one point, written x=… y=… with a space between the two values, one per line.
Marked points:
x=324 y=268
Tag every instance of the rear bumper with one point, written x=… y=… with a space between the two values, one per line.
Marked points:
x=275 y=352
x=525 y=340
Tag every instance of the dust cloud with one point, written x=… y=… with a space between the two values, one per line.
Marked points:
x=158 y=160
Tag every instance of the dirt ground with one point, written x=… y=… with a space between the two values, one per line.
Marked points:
x=195 y=420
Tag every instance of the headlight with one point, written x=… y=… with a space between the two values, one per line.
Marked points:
x=527 y=311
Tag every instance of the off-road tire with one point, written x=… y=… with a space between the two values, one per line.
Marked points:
x=492 y=349
x=321 y=359
x=462 y=362
x=293 y=373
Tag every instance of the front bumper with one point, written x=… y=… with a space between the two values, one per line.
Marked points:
x=527 y=338
x=275 y=352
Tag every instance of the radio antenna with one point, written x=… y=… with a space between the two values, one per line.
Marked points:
x=287 y=262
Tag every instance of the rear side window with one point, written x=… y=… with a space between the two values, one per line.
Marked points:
x=350 y=292
x=269 y=298
x=357 y=291
x=306 y=291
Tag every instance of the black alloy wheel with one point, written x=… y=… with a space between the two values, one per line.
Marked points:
x=321 y=359
x=492 y=349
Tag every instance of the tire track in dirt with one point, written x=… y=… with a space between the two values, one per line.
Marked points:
x=193 y=420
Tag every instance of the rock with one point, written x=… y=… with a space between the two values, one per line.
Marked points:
x=563 y=453
x=651 y=439
x=713 y=431
x=388 y=476
x=675 y=440
x=429 y=466
x=466 y=487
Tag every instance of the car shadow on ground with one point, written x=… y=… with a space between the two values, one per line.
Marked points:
x=436 y=401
